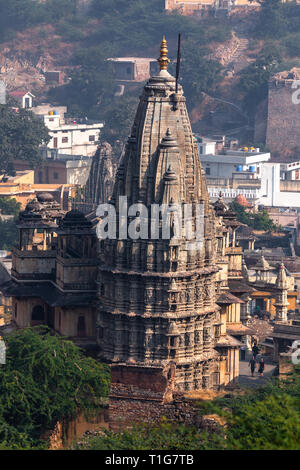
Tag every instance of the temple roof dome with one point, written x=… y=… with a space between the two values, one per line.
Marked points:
x=45 y=197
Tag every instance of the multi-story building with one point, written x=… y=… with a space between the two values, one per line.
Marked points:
x=198 y=7
x=249 y=173
x=69 y=136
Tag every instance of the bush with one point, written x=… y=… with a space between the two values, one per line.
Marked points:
x=262 y=419
x=46 y=379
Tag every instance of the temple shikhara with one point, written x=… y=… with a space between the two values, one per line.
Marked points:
x=168 y=316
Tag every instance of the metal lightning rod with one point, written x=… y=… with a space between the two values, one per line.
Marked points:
x=178 y=61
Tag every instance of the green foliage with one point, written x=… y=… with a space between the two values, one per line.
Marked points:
x=273 y=21
x=46 y=379
x=292 y=43
x=21 y=134
x=119 y=118
x=9 y=206
x=258 y=220
x=254 y=79
x=261 y=419
x=198 y=73
x=164 y=436
x=8 y=234
x=18 y=15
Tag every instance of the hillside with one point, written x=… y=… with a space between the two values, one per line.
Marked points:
x=226 y=63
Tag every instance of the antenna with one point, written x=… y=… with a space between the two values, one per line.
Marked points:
x=178 y=61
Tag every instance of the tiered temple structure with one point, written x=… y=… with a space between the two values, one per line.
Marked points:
x=54 y=269
x=159 y=321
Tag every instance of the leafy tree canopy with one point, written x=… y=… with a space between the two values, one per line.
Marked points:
x=21 y=134
x=259 y=220
x=46 y=379
x=9 y=206
x=8 y=234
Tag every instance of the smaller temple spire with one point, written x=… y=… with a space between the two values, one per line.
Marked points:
x=281 y=281
x=282 y=303
x=163 y=58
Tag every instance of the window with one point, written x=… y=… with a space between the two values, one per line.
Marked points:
x=65 y=140
x=81 y=327
x=37 y=315
x=207 y=171
x=40 y=176
x=55 y=175
x=92 y=138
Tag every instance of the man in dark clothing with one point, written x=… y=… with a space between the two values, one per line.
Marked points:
x=252 y=364
x=255 y=350
x=261 y=367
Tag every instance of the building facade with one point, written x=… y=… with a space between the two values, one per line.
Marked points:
x=69 y=136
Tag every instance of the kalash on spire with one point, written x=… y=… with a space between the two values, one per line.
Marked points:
x=161 y=136
x=157 y=311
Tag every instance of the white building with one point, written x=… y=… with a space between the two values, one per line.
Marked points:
x=290 y=171
x=68 y=136
x=245 y=163
x=23 y=98
x=250 y=173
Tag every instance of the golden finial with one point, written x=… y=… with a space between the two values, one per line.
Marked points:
x=163 y=59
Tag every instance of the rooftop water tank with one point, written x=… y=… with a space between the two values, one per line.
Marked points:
x=56 y=113
x=239 y=168
x=252 y=168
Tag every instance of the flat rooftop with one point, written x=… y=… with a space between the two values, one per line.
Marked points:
x=132 y=59
x=236 y=156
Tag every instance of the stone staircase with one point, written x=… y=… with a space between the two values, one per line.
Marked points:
x=239 y=60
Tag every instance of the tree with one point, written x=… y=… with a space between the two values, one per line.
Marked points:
x=258 y=220
x=273 y=21
x=45 y=379
x=8 y=234
x=254 y=79
x=9 y=206
x=198 y=73
x=21 y=134
x=118 y=119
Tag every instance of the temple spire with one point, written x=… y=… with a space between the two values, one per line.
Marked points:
x=163 y=58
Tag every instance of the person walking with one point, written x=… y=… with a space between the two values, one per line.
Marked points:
x=255 y=350
x=261 y=367
x=252 y=364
